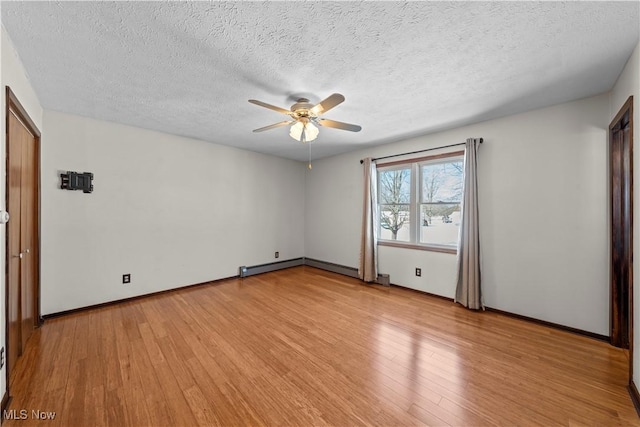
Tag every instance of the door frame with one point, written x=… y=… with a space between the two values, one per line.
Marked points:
x=625 y=110
x=13 y=106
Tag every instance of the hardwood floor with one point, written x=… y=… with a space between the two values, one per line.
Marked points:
x=311 y=348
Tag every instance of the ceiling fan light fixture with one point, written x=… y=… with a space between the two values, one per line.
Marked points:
x=311 y=131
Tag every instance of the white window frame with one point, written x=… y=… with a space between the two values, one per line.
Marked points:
x=415 y=200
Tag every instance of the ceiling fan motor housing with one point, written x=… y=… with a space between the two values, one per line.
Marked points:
x=302 y=108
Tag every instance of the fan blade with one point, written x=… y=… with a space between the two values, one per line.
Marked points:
x=275 y=125
x=269 y=106
x=339 y=125
x=327 y=104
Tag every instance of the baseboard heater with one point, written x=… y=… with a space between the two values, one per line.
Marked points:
x=245 y=271
x=383 y=279
x=329 y=266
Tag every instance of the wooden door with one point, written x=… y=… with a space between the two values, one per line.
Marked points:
x=621 y=179
x=22 y=244
x=27 y=216
x=14 y=179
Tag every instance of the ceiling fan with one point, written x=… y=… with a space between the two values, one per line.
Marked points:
x=304 y=117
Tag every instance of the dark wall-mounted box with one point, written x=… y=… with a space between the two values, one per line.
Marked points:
x=77 y=181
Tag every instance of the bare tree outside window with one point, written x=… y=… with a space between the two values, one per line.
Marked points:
x=394 y=198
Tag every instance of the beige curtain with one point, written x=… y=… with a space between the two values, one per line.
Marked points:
x=468 y=292
x=368 y=270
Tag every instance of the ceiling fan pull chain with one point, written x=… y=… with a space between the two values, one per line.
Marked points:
x=309 y=166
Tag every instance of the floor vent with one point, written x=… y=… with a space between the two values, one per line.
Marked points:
x=384 y=280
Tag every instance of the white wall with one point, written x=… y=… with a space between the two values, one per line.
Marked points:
x=12 y=74
x=170 y=211
x=543 y=212
x=628 y=84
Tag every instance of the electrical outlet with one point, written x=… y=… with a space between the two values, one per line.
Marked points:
x=126 y=278
x=277 y=254
x=418 y=272
x=1 y=357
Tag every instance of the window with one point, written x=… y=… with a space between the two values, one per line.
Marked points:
x=419 y=202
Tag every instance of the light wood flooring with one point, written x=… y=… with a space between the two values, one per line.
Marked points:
x=304 y=347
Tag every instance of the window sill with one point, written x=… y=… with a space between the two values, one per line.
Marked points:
x=431 y=248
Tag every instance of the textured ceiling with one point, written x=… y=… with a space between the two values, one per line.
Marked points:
x=188 y=68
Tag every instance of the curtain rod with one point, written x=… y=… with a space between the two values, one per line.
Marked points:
x=419 y=151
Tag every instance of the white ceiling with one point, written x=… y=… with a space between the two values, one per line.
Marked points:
x=188 y=68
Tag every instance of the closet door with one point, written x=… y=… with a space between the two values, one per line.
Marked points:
x=22 y=239
x=14 y=180
x=621 y=190
x=27 y=246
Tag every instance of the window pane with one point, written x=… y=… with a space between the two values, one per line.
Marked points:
x=394 y=222
x=441 y=182
x=395 y=186
x=394 y=197
x=440 y=193
x=439 y=223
